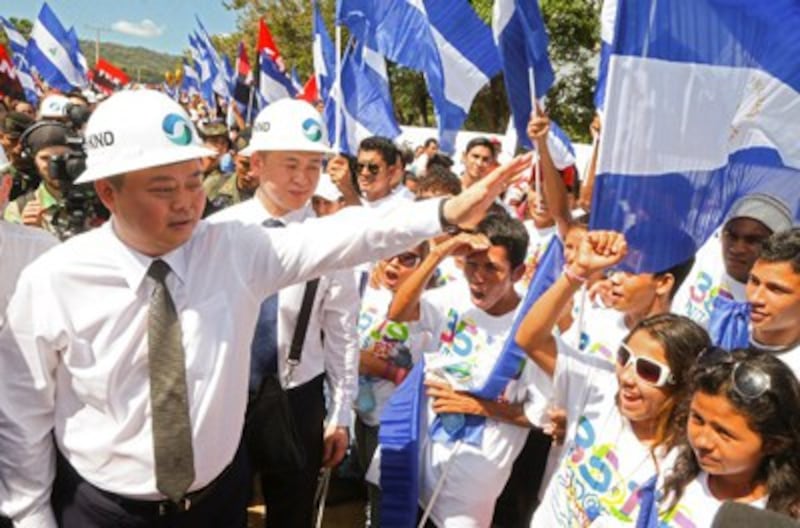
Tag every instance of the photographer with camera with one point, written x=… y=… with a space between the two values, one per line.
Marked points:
x=55 y=205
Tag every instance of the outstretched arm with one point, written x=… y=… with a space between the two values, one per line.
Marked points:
x=405 y=304
x=599 y=250
x=553 y=188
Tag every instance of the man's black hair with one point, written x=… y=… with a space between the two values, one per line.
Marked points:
x=481 y=141
x=439 y=159
x=783 y=246
x=679 y=273
x=440 y=180
x=509 y=233
x=388 y=150
x=430 y=141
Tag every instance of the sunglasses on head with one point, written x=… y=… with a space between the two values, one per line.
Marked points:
x=373 y=168
x=648 y=370
x=748 y=381
x=407 y=259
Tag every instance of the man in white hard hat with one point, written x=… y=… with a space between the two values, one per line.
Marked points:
x=286 y=155
x=125 y=353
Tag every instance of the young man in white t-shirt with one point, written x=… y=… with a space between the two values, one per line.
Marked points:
x=774 y=294
x=723 y=264
x=471 y=326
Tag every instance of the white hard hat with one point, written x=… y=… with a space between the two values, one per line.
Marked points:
x=288 y=125
x=4 y=163
x=327 y=189
x=138 y=129
x=53 y=106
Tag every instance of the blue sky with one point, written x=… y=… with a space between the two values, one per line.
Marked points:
x=161 y=25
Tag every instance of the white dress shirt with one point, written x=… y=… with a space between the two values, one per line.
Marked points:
x=19 y=246
x=334 y=311
x=74 y=351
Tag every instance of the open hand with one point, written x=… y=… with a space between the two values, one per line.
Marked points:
x=468 y=208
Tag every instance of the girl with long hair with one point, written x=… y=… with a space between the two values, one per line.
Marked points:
x=740 y=439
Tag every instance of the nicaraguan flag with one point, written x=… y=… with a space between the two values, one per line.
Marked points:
x=50 y=53
x=205 y=75
x=522 y=40
x=191 y=81
x=219 y=73
x=608 y=17
x=23 y=69
x=702 y=108
x=367 y=109
x=446 y=41
x=272 y=83
x=324 y=55
x=78 y=58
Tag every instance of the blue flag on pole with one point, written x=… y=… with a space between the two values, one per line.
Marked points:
x=50 y=52
x=702 y=107
x=78 y=59
x=367 y=109
x=324 y=56
x=522 y=41
x=18 y=49
x=220 y=81
x=446 y=41
x=191 y=80
x=273 y=84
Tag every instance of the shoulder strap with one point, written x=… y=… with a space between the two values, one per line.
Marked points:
x=302 y=321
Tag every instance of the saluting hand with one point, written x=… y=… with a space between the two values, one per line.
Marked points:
x=468 y=208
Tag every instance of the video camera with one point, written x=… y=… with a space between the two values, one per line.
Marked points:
x=79 y=209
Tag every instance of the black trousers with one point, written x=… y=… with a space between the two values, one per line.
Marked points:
x=289 y=497
x=78 y=504
x=515 y=505
x=5 y=522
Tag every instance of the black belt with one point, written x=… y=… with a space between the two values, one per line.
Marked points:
x=167 y=506
x=152 y=508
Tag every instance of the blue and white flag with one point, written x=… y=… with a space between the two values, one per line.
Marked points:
x=324 y=55
x=702 y=108
x=521 y=39
x=78 y=57
x=446 y=41
x=272 y=83
x=18 y=48
x=220 y=81
x=562 y=152
x=608 y=18
x=367 y=109
x=50 y=52
x=191 y=81
x=204 y=69
x=298 y=86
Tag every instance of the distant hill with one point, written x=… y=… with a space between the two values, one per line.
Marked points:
x=138 y=62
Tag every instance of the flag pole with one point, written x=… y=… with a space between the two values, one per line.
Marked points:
x=537 y=172
x=250 y=101
x=338 y=95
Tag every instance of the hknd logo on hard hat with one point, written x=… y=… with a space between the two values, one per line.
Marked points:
x=177 y=129
x=312 y=129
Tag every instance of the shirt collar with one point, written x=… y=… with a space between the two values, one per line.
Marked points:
x=255 y=212
x=134 y=264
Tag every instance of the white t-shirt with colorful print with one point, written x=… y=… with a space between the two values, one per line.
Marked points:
x=470 y=343
x=402 y=342
x=603 y=465
x=697 y=507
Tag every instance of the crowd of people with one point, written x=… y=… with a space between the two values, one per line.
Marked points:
x=194 y=309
